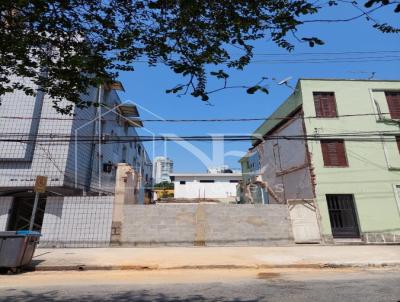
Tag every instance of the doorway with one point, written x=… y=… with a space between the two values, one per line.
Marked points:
x=304 y=221
x=21 y=212
x=343 y=216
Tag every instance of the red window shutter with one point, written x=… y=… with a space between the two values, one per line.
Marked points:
x=393 y=100
x=333 y=153
x=325 y=104
x=398 y=142
x=318 y=105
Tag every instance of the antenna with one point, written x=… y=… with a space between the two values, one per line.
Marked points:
x=285 y=82
x=370 y=73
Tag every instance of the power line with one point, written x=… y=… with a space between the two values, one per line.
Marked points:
x=366 y=136
x=324 y=61
x=195 y=120
x=316 y=53
x=328 y=53
x=322 y=57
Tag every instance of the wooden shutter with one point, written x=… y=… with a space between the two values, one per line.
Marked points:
x=393 y=100
x=333 y=153
x=325 y=104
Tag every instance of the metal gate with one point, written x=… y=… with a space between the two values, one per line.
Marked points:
x=342 y=214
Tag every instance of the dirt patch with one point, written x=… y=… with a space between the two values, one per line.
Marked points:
x=264 y=275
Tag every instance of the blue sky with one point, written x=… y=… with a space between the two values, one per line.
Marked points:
x=146 y=86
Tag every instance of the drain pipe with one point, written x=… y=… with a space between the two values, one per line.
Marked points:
x=375 y=109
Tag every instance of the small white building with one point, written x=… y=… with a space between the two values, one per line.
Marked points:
x=217 y=186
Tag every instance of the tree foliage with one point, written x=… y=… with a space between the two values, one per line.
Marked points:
x=165 y=185
x=66 y=46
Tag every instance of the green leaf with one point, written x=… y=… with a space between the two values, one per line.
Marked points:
x=220 y=74
x=205 y=97
x=175 y=89
x=312 y=41
x=252 y=89
x=369 y=3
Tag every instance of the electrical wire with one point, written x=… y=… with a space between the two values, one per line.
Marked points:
x=361 y=136
x=195 y=120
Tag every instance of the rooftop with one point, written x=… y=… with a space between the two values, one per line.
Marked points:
x=338 y=79
x=206 y=174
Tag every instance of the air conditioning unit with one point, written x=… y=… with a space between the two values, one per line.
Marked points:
x=107 y=167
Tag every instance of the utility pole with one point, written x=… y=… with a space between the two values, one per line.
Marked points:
x=99 y=134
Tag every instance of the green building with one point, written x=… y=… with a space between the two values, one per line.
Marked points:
x=331 y=152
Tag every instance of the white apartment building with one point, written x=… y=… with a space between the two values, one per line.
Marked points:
x=163 y=167
x=79 y=154
x=218 y=186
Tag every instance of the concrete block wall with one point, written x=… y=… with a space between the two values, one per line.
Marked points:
x=381 y=238
x=5 y=206
x=206 y=225
x=77 y=221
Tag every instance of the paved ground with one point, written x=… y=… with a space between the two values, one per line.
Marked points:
x=222 y=257
x=284 y=285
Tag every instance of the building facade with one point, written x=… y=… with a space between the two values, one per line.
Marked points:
x=163 y=167
x=197 y=186
x=79 y=155
x=331 y=152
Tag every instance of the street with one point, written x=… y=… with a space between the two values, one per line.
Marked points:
x=205 y=285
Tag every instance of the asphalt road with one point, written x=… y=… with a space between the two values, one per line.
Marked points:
x=202 y=285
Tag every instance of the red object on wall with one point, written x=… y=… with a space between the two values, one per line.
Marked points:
x=393 y=100
x=333 y=152
x=325 y=104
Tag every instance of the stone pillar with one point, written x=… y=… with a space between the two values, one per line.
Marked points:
x=125 y=193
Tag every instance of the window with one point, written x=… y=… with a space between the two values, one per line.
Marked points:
x=233 y=181
x=182 y=182
x=277 y=157
x=325 y=104
x=393 y=100
x=123 y=157
x=107 y=167
x=206 y=180
x=333 y=153
x=342 y=215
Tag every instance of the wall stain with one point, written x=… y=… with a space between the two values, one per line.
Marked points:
x=200 y=219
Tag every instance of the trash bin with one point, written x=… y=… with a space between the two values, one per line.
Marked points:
x=17 y=248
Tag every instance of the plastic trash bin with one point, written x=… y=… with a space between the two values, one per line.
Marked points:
x=17 y=248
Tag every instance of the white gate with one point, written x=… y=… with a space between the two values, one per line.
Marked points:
x=304 y=221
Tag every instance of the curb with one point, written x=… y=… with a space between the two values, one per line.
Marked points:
x=211 y=267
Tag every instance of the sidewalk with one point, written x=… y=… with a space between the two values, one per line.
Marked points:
x=311 y=256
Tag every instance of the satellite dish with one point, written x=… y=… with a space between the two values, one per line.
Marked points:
x=285 y=81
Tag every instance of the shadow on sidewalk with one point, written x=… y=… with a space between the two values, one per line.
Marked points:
x=131 y=296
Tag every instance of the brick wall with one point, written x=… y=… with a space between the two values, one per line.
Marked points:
x=77 y=221
x=5 y=205
x=206 y=224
